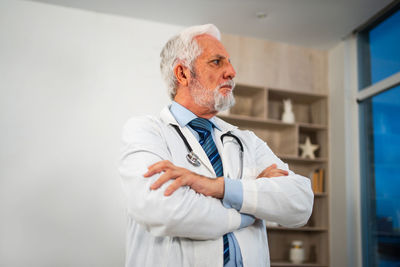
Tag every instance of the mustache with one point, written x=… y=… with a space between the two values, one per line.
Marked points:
x=230 y=83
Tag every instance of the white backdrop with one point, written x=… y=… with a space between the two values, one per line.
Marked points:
x=69 y=79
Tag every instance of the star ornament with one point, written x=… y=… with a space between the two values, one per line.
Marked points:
x=308 y=149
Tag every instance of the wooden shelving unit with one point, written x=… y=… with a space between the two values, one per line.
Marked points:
x=260 y=109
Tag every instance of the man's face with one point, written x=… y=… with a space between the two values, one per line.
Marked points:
x=212 y=84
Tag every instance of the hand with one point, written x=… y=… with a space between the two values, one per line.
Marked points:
x=272 y=171
x=184 y=177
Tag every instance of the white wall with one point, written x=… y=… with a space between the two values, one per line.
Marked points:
x=345 y=241
x=338 y=163
x=69 y=79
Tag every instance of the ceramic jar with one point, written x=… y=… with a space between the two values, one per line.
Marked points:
x=297 y=252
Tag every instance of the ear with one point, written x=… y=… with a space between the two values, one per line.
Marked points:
x=182 y=74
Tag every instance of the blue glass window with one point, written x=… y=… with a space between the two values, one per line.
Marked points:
x=386 y=138
x=380 y=145
x=384 y=44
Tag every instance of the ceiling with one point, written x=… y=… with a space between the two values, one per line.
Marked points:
x=312 y=23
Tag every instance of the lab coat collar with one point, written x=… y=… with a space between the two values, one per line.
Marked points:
x=184 y=116
x=223 y=125
x=220 y=124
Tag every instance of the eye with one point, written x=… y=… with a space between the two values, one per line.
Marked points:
x=216 y=61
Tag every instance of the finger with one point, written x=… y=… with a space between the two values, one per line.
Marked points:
x=271 y=167
x=157 y=168
x=174 y=186
x=277 y=173
x=266 y=171
x=160 y=162
x=168 y=175
x=283 y=172
x=273 y=173
x=263 y=174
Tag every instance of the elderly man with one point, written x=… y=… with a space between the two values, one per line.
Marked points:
x=198 y=188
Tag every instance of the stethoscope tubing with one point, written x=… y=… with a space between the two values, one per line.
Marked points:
x=194 y=159
x=230 y=134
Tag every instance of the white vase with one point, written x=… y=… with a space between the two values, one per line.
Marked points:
x=297 y=252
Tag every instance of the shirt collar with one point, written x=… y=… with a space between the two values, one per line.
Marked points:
x=183 y=116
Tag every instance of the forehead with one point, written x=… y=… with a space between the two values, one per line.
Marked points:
x=211 y=46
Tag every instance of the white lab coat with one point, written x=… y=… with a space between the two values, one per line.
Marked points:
x=186 y=228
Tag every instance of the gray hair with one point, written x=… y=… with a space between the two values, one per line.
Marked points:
x=184 y=49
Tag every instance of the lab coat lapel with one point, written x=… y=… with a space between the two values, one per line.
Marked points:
x=220 y=147
x=168 y=118
x=225 y=127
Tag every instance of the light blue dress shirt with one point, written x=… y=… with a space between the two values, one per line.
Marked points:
x=233 y=196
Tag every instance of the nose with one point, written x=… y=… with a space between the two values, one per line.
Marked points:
x=230 y=72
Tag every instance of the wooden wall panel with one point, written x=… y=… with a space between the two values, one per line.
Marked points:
x=277 y=65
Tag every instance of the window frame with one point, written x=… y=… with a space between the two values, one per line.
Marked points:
x=366 y=91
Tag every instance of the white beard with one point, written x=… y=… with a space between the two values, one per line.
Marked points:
x=212 y=99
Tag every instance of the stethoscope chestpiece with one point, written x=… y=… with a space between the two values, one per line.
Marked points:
x=193 y=159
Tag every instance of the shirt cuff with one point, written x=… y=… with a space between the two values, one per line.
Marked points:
x=233 y=196
x=247 y=220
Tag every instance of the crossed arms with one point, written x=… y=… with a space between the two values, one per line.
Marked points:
x=170 y=200
x=199 y=183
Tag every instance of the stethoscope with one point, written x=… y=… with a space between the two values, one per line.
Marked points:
x=193 y=159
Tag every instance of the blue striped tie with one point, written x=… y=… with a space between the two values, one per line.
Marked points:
x=204 y=127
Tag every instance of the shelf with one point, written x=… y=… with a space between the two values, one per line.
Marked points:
x=235 y=118
x=300 y=229
x=312 y=126
x=274 y=122
x=320 y=194
x=300 y=265
x=302 y=160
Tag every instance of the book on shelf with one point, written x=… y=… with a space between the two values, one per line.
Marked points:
x=317 y=180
